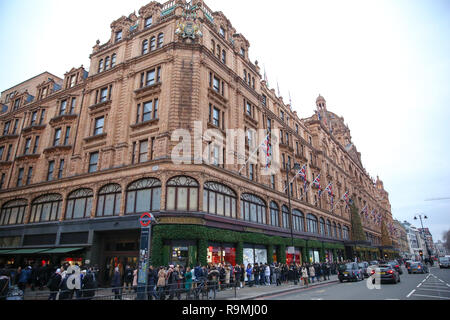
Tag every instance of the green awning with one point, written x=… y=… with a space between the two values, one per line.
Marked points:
x=5 y=251
x=62 y=250
x=27 y=251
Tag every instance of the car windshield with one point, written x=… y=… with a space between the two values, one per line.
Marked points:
x=446 y=259
x=415 y=264
x=361 y=265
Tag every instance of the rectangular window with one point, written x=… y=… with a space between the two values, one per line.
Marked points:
x=264 y=100
x=93 y=162
x=216 y=84
x=27 y=146
x=251 y=172
x=8 y=155
x=36 y=145
x=143 y=151
x=216 y=117
x=67 y=136
x=57 y=137
x=2 y=149
x=6 y=128
x=2 y=181
x=158 y=75
x=148 y=22
x=61 y=169
x=282 y=115
x=51 y=168
x=41 y=120
x=16 y=104
x=29 y=175
x=155 y=116
x=99 y=124
x=103 y=95
x=72 y=105
x=222 y=32
x=62 y=108
x=118 y=35
x=20 y=177
x=272 y=181
x=16 y=124
x=150 y=79
x=33 y=118
x=73 y=80
x=147 y=111
x=248 y=108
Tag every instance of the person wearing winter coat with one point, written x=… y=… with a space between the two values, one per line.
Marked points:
x=135 y=278
x=161 y=284
x=312 y=273
x=24 y=278
x=267 y=275
x=242 y=276
x=188 y=282
x=277 y=273
x=4 y=285
x=128 y=278
x=89 y=284
x=249 y=272
x=318 y=271
x=54 y=284
x=227 y=276
x=305 y=275
x=152 y=280
x=116 y=284
x=237 y=276
x=65 y=293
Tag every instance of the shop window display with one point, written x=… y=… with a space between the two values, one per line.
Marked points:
x=222 y=255
x=290 y=257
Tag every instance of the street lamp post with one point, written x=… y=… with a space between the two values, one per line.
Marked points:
x=423 y=233
x=288 y=170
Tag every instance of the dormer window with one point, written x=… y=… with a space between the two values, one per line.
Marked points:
x=118 y=36
x=222 y=32
x=148 y=22
x=243 y=52
x=73 y=80
x=16 y=104
x=44 y=92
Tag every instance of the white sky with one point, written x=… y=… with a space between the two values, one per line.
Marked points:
x=382 y=64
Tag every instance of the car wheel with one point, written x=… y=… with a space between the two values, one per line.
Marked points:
x=341 y=280
x=398 y=279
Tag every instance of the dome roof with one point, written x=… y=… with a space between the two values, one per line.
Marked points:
x=320 y=99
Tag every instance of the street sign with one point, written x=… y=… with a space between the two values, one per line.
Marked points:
x=146 y=219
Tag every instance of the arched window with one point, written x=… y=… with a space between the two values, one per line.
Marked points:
x=219 y=199
x=152 y=43
x=109 y=198
x=113 y=60
x=340 y=231
x=106 y=63
x=298 y=220
x=322 y=226
x=143 y=196
x=253 y=208
x=334 y=230
x=274 y=217
x=160 y=40
x=46 y=208
x=329 y=228
x=285 y=213
x=345 y=232
x=79 y=204
x=13 y=212
x=312 y=223
x=145 y=47
x=182 y=194
x=100 y=66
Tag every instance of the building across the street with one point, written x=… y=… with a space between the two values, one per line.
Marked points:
x=82 y=157
x=428 y=237
x=441 y=250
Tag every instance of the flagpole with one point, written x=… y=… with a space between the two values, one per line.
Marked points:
x=253 y=153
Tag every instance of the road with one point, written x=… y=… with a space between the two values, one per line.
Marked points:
x=432 y=286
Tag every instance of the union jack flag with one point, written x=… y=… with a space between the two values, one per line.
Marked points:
x=346 y=199
x=268 y=151
x=302 y=174
x=329 y=188
x=316 y=183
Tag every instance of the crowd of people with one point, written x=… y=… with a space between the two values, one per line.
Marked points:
x=170 y=282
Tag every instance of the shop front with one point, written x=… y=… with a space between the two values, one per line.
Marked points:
x=221 y=253
x=314 y=256
x=294 y=257
x=254 y=254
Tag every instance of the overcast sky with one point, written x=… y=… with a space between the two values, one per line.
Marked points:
x=383 y=65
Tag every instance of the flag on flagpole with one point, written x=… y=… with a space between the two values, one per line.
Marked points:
x=316 y=183
x=329 y=188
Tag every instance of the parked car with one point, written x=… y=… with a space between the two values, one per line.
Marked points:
x=364 y=265
x=387 y=273
x=444 y=262
x=350 y=272
x=396 y=266
x=418 y=267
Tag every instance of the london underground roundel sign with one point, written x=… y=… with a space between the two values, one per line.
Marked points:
x=146 y=219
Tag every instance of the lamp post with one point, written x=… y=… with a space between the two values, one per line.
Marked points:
x=288 y=170
x=423 y=233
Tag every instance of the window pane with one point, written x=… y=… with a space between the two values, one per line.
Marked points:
x=13 y=216
x=118 y=201
x=212 y=202
x=228 y=206
x=193 y=206
x=130 y=201
x=205 y=201
x=143 y=201
x=88 y=207
x=100 y=206
x=156 y=199
x=182 y=199
x=253 y=217
x=78 y=212
x=171 y=198
x=46 y=212
x=220 y=204
x=109 y=205
x=247 y=211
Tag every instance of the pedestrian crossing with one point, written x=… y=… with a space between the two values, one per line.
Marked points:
x=431 y=288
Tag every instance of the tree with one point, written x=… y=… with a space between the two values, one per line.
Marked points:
x=357 y=229
x=385 y=238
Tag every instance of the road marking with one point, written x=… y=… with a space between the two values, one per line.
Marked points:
x=426 y=296
x=438 y=290
x=419 y=285
x=409 y=295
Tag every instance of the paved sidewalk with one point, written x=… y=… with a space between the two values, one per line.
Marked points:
x=250 y=293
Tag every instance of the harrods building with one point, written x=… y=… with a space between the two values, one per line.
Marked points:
x=83 y=156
